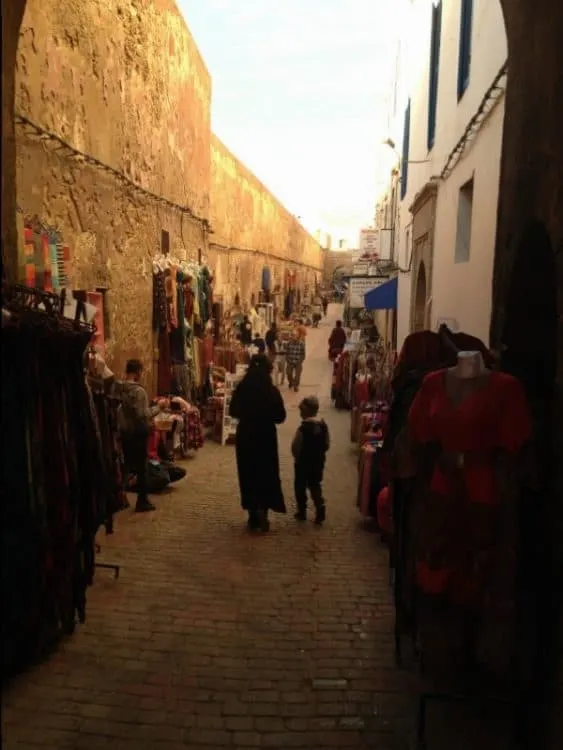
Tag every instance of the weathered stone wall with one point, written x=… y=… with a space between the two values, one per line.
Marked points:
x=251 y=229
x=126 y=84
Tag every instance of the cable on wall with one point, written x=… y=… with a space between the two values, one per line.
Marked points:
x=488 y=102
x=264 y=254
x=33 y=129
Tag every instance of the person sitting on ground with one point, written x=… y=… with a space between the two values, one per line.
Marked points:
x=134 y=424
x=295 y=356
x=309 y=449
x=258 y=406
x=337 y=341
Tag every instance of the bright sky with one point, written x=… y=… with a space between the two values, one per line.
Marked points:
x=301 y=94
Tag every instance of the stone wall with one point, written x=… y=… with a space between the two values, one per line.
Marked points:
x=124 y=83
x=251 y=229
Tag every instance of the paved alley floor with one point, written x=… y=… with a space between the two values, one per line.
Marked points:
x=215 y=638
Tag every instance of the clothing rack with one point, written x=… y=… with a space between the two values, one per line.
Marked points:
x=55 y=527
x=97 y=386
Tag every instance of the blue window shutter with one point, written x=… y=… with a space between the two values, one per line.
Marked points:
x=465 y=33
x=434 y=76
x=406 y=145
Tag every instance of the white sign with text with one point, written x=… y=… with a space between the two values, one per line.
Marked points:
x=360 y=286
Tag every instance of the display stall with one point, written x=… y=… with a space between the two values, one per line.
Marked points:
x=182 y=311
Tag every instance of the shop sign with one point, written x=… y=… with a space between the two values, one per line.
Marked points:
x=361 y=268
x=360 y=286
x=369 y=240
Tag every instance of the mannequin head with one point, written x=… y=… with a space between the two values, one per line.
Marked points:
x=469 y=365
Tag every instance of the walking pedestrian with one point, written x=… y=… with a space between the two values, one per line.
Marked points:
x=259 y=407
x=325 y=304
x=280 y=362
x=337 y=341
x=258 y=343
x=245 y=331
x=134 y=423
x=309 y=449
x=271 y=339
x=295 y=356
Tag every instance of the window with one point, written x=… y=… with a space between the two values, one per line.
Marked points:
x=406 y=145
x=434 y=72
x=464 y=61
x=464 y=213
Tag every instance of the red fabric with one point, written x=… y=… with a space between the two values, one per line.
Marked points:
x=384 y=511
x=207 y=352
x=152 y=445
x=361 y=392
x=494 y=416
x=458 y=518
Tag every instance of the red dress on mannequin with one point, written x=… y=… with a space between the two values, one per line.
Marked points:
x=460 y=508
x=464 y=529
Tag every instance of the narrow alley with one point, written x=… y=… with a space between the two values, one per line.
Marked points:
x=212 y=637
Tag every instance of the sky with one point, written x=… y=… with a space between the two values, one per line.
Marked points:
x=301 y=94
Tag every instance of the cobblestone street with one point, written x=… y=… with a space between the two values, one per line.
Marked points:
x=212 y=637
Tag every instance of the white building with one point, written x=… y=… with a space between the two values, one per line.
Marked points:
x=450 y=88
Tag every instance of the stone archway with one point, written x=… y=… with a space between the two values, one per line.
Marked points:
x=12 y=16
x=420 y=300
x=530 y=353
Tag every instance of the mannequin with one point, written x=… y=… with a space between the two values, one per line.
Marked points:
x=469 y=365
x=466 y=377
x=463 y=421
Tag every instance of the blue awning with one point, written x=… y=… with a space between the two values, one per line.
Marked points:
x=382 y=297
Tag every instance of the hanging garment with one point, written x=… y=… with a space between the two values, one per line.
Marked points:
x=164 y=362
x=160 y=307
x=177 y=346
x=181 y=381
x=463 y=503
x=53 y=489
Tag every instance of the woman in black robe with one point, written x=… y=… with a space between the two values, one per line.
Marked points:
x=259 y=407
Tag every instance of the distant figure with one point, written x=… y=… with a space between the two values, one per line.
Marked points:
x=295 y=356
x=271 y=339
x=337 y=341
x=324 y=302
x=309 y=449
x=135 y=423
x=259 y=407
x=245 y=332
x=259 y=343
x=280 y=362
x=301 y=329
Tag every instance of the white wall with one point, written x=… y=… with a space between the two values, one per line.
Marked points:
x=463 y=291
